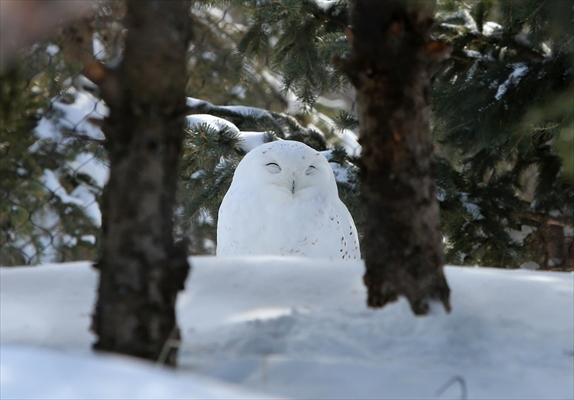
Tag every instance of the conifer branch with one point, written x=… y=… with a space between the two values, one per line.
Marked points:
x=546 y=219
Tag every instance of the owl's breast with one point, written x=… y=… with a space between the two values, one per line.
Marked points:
x=297 y=227
x=308 y=225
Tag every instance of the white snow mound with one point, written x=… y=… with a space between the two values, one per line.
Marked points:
x=299 y=328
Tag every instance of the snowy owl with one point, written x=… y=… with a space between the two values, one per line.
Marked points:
x=283 y=200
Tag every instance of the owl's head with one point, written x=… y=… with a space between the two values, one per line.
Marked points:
x=287 y=168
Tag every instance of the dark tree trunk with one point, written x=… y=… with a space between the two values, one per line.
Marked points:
x=555 y=246
x=390 y=66
x=141 y=268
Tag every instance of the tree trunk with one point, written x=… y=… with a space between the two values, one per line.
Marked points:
x=141 y=268
x=390 y=66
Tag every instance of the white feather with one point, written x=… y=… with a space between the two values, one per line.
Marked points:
x=283 y=200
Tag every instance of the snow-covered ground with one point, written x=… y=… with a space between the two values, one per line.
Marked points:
x=293 y=327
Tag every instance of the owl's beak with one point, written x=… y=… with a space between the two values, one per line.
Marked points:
x=293 y=186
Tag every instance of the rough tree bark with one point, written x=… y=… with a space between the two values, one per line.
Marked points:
x=390 y=66
x=141 y=268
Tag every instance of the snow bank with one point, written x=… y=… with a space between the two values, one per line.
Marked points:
x=299 y=327
x=307 y=332
x=37 y=373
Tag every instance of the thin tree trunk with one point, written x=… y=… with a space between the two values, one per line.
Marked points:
x=390 y=66
x=141 y=268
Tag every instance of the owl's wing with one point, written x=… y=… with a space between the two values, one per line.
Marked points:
x=349 y=231
x=333 y=234
x=245 y=225
x=230 y=217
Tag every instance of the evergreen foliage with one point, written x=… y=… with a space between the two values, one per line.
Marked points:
x=501 y=102
x=299 y=38
x=48 y=80
x=39 y=221
x=219 y=74
x=51 y=142
x=502 y=122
